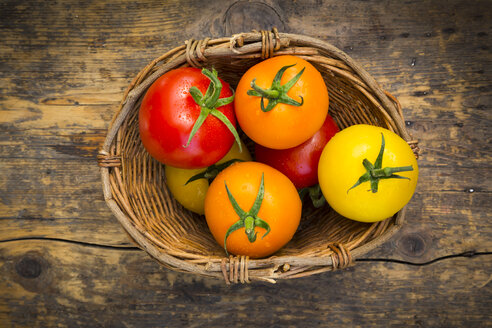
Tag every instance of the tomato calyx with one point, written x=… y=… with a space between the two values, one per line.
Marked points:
x=277 y=93
x=315 y=195
x=209 y=104
x=247 y=220
x=212 y=171
x=375 y=172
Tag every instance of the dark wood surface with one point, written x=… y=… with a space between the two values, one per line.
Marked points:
x=64 y=259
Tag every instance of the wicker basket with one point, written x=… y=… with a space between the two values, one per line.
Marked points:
x=134 y=184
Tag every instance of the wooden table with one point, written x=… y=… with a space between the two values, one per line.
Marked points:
x=65 y=260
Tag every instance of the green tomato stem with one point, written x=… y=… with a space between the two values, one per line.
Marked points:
x=266 y=93
x=374 y=172
x=388 y=171
x=248 y=220
x=209 y=104
x=213 y=170
x=315 y=194
x=277 y=93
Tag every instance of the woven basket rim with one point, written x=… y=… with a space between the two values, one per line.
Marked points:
x=274 y=265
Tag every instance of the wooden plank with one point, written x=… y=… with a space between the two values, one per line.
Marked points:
x=56 y=198
x=46 y=283
x=63 y=69
x=39 y=191
x=42 y=197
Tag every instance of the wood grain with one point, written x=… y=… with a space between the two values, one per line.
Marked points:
x=73 y=119
x=120 y=288
x=65 y=260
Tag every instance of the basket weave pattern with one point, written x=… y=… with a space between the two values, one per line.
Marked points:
x=134 y=184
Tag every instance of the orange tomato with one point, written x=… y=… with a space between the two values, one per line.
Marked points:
x=286 y=125
x=272 y=217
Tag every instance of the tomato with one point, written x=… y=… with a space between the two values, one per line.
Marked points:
x=252 y=209
x=300 y=163
x=281 y=102
x=367 y=173
x=192 y=195
x=187 y=118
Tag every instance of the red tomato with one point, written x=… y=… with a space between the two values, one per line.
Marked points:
x=169 y=112
x=300 y=164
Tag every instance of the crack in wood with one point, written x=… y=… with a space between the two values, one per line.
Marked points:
x=76 y=242
x=468 y=254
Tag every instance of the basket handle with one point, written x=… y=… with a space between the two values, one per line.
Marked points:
x=235 y=269
x=270 y=42
x=194 y=52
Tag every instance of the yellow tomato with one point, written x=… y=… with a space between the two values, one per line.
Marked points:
x=349 y=162
x=234 y=153
x=192 y=195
